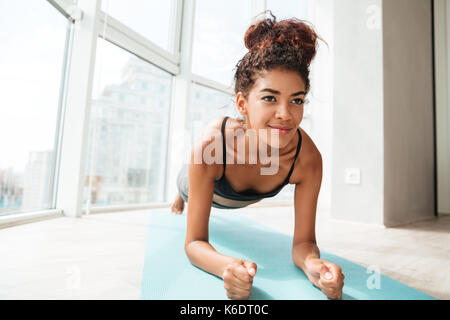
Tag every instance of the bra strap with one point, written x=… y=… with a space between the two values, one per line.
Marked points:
x=224 y=146
x=296 y=154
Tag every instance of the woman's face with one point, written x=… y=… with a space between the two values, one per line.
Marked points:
x=274 y=103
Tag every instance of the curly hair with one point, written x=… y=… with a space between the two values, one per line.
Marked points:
x=289 y=44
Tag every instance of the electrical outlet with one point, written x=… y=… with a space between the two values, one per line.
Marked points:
x=353 y=176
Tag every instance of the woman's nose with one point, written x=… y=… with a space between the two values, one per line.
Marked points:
x=282 y=111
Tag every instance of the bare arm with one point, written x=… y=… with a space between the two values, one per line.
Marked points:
x=306 y=255
x=201 y=187
x=237 y=275
x=305 y=202
x=203 y=255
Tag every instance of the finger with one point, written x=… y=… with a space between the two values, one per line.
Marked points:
x=236 y=296
x=338 y=295
x=315 y=266
x=231 y=295
x=330 y=291
x=323 y=283
x=334 y=268
x=241 y=273
x=232 y=280
x=235 y=281
x=251 y=267
x=334 y=282
x=333 y=277
x=314 y=281
x=325 y=273
x=239 y=291
x=340 y=282
x=228 y=292
x=331 y=294
x=327 y=279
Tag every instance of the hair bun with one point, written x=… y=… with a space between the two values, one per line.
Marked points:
x=289 y=32
x=258 y=32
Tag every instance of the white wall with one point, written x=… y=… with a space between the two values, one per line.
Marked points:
x=357 y=137
x=383 y=111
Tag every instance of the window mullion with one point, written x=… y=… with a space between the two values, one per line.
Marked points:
x=180 y=99
x=68 y=9
x=176 y=29
x=76 y=114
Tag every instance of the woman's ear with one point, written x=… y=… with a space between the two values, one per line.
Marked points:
x=241 y=103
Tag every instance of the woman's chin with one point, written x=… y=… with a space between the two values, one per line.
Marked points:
x=281 y=143
x=274 y=139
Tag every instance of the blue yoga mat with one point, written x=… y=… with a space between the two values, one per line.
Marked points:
x=168 y=274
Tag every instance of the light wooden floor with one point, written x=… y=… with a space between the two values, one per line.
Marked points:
x=101 y=256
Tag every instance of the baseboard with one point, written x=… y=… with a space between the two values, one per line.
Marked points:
x=28 y=217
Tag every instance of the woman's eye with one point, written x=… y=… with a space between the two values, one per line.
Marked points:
x=269 y=98
x=272 y=99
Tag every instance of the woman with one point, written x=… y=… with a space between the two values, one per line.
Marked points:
x=271 y=83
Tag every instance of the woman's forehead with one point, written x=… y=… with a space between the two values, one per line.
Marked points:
x=280 y=80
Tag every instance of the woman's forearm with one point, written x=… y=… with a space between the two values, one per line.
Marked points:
x=203 y=255
x=303 y=251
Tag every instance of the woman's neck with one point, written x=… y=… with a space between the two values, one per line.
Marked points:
x=290 y=147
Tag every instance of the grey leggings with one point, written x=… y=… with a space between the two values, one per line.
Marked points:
x=183 y=186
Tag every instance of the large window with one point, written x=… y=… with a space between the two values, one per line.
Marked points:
x=288 y=8
x=128 y=130
x=219 y=38
x=32 y=51
x=205 y=105
x=136 y=59
x=153 y=19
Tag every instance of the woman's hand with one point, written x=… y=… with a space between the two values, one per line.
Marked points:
x=238 y=279
x=327 y=276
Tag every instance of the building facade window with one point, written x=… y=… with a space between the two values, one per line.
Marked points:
x=126 y=163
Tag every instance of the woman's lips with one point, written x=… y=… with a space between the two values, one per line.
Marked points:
x=281 y=130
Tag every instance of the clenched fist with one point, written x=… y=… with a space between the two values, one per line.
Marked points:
x=238 y=279
x=327 y=276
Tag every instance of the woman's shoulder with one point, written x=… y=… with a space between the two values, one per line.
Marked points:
x=211 y=135
x=309 y=158
x=231 y=123
x=214 y=127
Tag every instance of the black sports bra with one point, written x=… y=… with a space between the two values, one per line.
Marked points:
x=224 y=189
